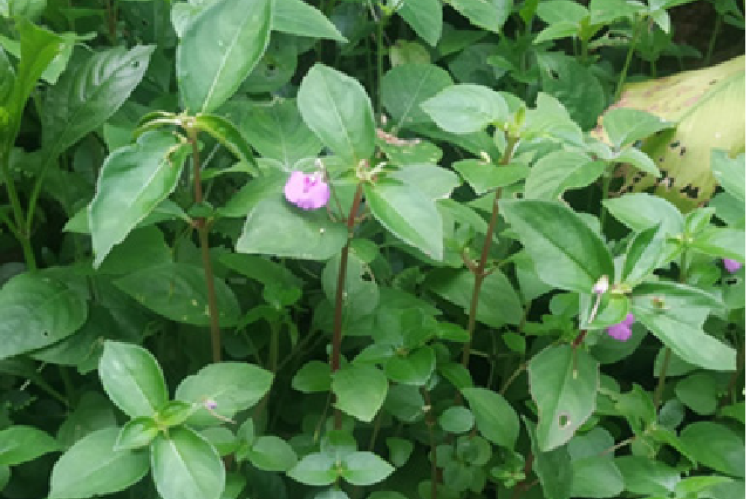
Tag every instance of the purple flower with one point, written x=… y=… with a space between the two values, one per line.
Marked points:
x=732 y=266
x=307 y=191
x=621 y=331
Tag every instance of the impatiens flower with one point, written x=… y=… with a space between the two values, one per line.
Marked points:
x=307 y=191
x=732 y=266
x=621 y=331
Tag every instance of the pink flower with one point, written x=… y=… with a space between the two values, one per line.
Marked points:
x=621 y=331
x=732 y=266
x=307 y=191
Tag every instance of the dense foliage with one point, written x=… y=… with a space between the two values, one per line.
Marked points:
x=371 y=249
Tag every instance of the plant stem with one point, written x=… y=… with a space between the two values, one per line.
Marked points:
x=628 y=59
x=479 y=269
x=273 y=355
x=606 y=182
x=380 y=33
x=712 y=41
x=339 y=310
x=18 y=229
x=430 y=422
x=200 y=224
x=662 y=377
x=521 y=368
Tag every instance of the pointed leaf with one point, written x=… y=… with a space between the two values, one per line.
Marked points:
x=563 y=382
x=93 y=468
x=360 y=390
x=565 y=251
x=132 y=378
x=407 y=86
x=496 y=419
x=559 y=171
x=466 y=108
x=19 y=444
x=729 y=172
x=625 y=126
x=186 y=466
x=337 y=108
x=484 y=177
x=425 y=17
x=486 y=14
x=299 y=18
x=408 y=214
x=227 y=134
x=219 y=49
x=89 y=92
x=365 y=468
x=133 y=182
x=642 y=211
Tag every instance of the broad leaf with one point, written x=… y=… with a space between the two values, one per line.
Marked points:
x=360 y=390
x=186 y=466
x=642 y=211
x=408 y=214
x=229 y=387
x=93 y=468
x=625 y=126
x=484 y=177
x=299 y=18
x=132 y=378
x=406 y=87
x=496 y=419
x=270 y=453
x=24 y=443
x=565 y=251
x=412 y=369
x=227 y=134
x=364 y=468
x=486 y=14
x=559 y=171
x=134 y=180
x=553 y=468
x=424 y=16
x=337 y=108
x=88 y=93
x=37 y=311
x=276 y=227
x=219 y=49
x=466 y=108
x=729 y=172
x=647 y=476
x=563 y=382
x=716 y=446
x=316 y=469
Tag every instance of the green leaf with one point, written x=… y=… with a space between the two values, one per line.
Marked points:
x=456 y=419
x=498 y=301
x=698 y=392
x=560 y=171
x=93 y=468
x=185 y=466
x=716 y=446
x=277 y=131
x=37 y=311
x=596 y=478
x=729 y=172
x=466 y=108
x=178 y=291
x=606 y=11
x=647 y=476
x=39 y=47
x=644 y=254
x=624 y=126
x=414 y=368
x=558 y=11
x=4 y=476
x=364 y=468
x=316 y=469
x=496 y=420
x=563 y=382
x=313 y=377
x=88 y=93
x=720 y=241
x=638 y=159
x=276 y=227
x=271 y=453
x=486 y=14
x=360 y=390
x=566 y=253
x=132 y=378
x=425 y=17
x=19 y=444
x=337 y=108
x=408 y=214
x=132 y=183
x=642 y=211
x=553 y=468
x=436 y=182
x=232 y=386
x=137 y=433
x=299 y=18
x=227 y=134
x=484 y=177
x=557 y=31
x=678 y=323
x=399 y=450
x=219 y=49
